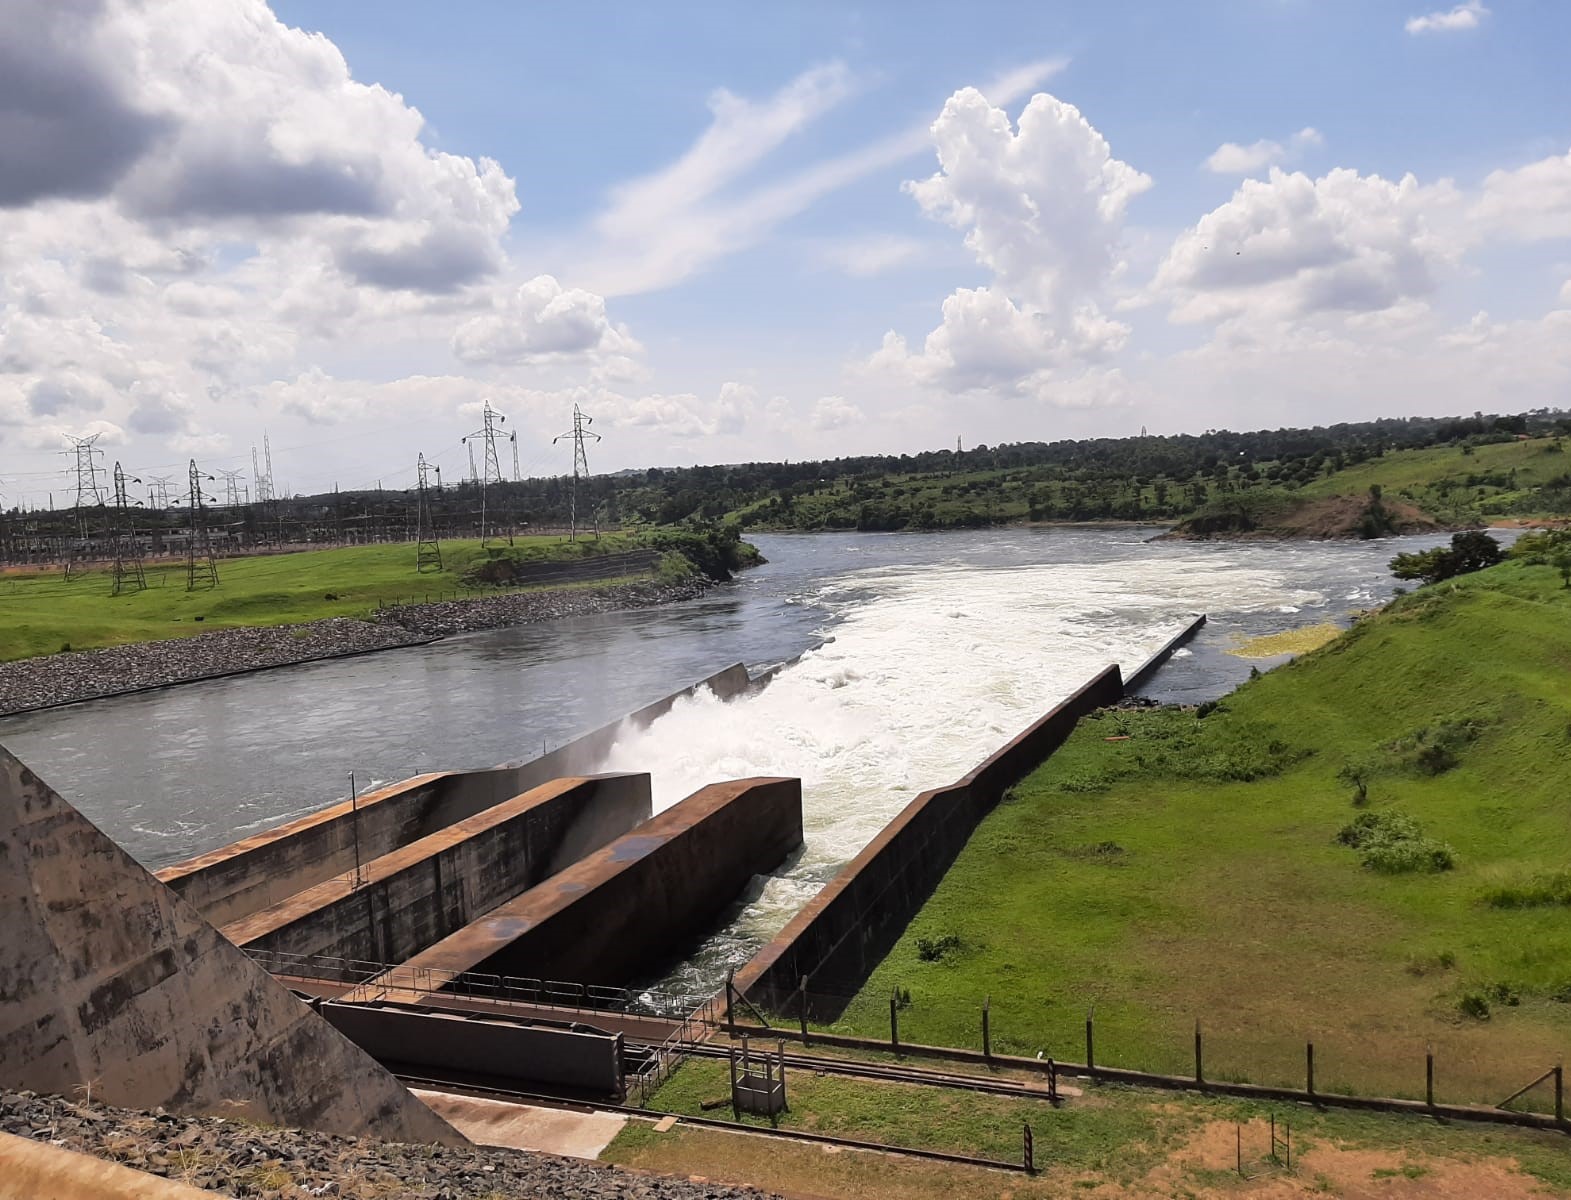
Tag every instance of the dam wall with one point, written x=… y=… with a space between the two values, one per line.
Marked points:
x=851 y=924
x=493 y=1048
x=413 y=897
x=231 y=883
x=632 y=905
x=109 y=980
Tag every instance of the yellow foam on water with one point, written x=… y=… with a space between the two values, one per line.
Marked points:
x=1291 y=641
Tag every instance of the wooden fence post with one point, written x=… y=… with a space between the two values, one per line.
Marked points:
x=1052 y=1082
x=1309 y=1067
x=987 y=1030
x=802 y=1009
x=780 y=1050
x=894 y=1019
x=729 y=976
x=1200 y=1077
x=736 y=1113
x=1560 y=1103
x=1429 y=1076
x=1090 y=1043
x=1028 y=1150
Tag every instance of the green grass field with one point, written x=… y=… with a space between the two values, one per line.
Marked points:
x=1192 y=870
x=42 y=612
x=1502 y=479
x=1110 y=1141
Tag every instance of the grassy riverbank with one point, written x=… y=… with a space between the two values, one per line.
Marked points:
x=43 y=612
x=1167 y=866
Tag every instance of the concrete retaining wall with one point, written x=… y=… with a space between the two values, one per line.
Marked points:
x=1142 y=676
x=237 y=880
x=420 y=893
x=634 y=904
x=584 y=1060
x=108 y=978
x=847 y=929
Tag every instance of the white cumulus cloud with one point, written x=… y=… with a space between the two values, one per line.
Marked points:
x=1289 y=246
x=1043 y=208
x=540 y=320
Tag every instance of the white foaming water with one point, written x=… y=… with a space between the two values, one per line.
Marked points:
x=929 y=671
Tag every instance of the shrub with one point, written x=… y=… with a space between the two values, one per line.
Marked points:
x=1392 y=843
x=1475 y=1005
x=1471 y=550
x=935 y=949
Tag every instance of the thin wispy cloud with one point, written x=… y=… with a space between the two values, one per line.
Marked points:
x=672 y=224
x=1463 y=17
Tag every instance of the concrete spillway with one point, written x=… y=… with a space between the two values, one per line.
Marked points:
x=627 y=907
x=404 y=901
x=235 y=881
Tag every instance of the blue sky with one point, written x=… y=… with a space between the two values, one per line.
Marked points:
x=697 y=222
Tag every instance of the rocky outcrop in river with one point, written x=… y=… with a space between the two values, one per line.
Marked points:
x=64 y=678
x=241 y=1159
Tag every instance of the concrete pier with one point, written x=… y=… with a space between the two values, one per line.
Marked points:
x=409 y=899
x=633 y=904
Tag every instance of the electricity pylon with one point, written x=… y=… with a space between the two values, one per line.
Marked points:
x=428 y=551
x=127 y=575
x=88 y=493
x=580 y=431
x=492 y=473
x=200 y=568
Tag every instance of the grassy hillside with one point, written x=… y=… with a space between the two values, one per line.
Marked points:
x=1168 y=865
x=42 y=612
x=1465 y=483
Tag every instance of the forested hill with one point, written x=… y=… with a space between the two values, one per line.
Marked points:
x=1458 y=470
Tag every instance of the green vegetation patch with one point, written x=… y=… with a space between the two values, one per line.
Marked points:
x=1394 y=844
x=1223 y=894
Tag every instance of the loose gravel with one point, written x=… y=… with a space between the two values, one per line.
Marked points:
x=237 y=1158
x=65 y=678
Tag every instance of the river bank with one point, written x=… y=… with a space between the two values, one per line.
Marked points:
x=68 y=677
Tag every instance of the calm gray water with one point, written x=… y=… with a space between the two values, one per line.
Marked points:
x=942 y=646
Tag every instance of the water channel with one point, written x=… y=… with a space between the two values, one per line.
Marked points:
x=920 y=654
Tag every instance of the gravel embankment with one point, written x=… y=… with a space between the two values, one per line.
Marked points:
x=89 y=674
x=243 y=1160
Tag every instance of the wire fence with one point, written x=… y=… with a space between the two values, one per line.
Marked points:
x=1338 y=1067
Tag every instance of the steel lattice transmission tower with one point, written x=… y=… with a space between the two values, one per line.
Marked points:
x=231 y=488
x=88 y=493
x=158 y=491
x=127 y=574
x=428 y=550
x=201 y=570
x=580 y=431
x=492 y=473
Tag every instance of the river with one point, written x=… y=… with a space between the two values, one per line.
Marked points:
x=921 y=653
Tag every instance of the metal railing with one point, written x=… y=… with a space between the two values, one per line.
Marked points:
x=671 y=1053
x=384 y=980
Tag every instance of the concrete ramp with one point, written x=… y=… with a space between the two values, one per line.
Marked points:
x=409 y=899
x=110 y=980
x=631 y=905
x=247 y=876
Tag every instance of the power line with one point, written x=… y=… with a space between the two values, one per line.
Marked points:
x=581 y=423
